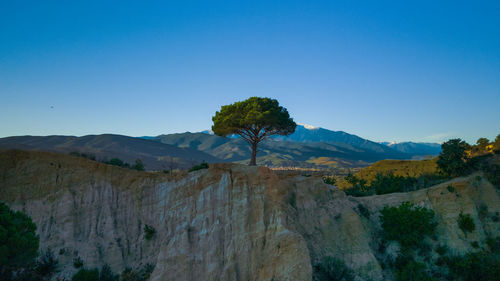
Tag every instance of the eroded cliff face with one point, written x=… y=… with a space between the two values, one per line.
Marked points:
x=229 y=222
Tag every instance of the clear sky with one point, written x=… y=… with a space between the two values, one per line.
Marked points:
x=384 y=70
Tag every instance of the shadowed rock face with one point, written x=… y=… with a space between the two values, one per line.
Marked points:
x=225 y=223
x=229 y=222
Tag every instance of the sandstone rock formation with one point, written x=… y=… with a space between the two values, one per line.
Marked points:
x=229 y=222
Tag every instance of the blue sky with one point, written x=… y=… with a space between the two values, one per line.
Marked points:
x=384 y=70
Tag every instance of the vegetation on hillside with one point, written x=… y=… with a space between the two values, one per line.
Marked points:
x=202 y=165
x=478 y=265
x=405 y=168
x=19 y=256
x=139 y=166
x=410 y=226
x=466 y=223
x=407 y=224
x=149 y=232
x=456 y=159
x=414 y=228
x=388 y=183
x=19 y=260
x=331 y=269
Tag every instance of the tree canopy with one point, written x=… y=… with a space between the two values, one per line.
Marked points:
x=452 y=160
x=254 y=120
x=496 y=144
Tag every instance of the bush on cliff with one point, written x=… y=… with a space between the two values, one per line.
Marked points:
x=86 y=275
x=332 y=269
x=407 y=269
x=94 y=275
x=466 y=223
x=203 y=165
x=18 y=241
x=407 y=224
x=149 y=232
x=474 y=266
x=388 y=183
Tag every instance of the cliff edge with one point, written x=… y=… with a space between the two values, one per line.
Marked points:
x=228 y=222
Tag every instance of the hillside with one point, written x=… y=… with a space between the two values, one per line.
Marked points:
x=405 y=168
x=155 y=155
x=412 y=168
x=228 y=222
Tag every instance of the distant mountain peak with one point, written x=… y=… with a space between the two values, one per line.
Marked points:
x=208 y=132
x=307 y=126
x=416 y=148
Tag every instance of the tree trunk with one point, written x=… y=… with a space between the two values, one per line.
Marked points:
x=253 y=161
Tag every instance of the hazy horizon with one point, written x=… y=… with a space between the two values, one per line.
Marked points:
x=385 y=71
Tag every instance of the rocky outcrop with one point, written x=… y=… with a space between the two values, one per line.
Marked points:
x=229 y=222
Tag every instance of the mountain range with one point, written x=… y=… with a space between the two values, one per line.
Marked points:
x=416 y=148
x=307 y=147
x=154 y=155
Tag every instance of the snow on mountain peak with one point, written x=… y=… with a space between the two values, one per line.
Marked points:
x=309 y=127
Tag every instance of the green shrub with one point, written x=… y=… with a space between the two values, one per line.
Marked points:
x=139 y=166
x=129 y=275
x=450 y=188
x=329 y=180
x=83 y=155
x=442 y=250
x=86 y=275
x=407 y=224
x=474 y=266
x=357 y=191
x=493 y=244
x=203 y=165
x=142 y=274
x=390 y=183
x=46 y=265
x=107 y=274
x=364 y=211
x=77 y=262
x=466 y=223
x=149 y=232
x=332 y=269
x=492 y=173
x=146 y=271
x=18 y=241
x=115 y=162
x=495 y=217
x=407 y=269
x=358 y=187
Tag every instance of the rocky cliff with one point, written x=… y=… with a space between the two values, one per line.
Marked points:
x=228 y=222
